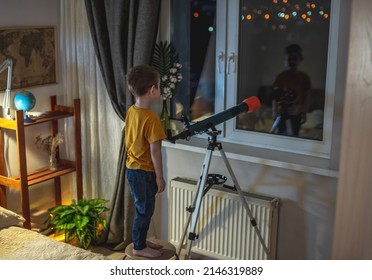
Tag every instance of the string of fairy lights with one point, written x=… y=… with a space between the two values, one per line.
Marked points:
x=278 y=13
x=284 y=10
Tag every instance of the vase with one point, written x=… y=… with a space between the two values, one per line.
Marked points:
x=164 y=116
x=53 y=163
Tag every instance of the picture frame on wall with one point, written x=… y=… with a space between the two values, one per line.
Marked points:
x=33 y=51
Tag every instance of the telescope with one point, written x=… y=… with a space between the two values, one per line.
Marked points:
x=248 y=105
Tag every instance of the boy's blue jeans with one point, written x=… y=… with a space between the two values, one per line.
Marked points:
x=143 y=189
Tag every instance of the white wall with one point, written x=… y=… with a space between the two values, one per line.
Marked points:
x=353 y=226
x=23 y=13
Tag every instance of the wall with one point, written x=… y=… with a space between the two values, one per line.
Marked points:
x=353 y=226
x=20 y=13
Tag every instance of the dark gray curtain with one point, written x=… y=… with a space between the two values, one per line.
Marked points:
x=124 y=34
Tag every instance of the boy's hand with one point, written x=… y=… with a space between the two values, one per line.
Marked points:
x=161 y=184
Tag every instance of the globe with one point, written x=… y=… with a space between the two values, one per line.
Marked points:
x=25 y=101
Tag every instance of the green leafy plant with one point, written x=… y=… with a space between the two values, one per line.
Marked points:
x=80 y=220
x=165 y=60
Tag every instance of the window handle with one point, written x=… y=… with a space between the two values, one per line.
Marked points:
x=231 y=63
x=220 y=61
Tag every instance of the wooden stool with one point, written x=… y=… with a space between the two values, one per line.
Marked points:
x=169 y=252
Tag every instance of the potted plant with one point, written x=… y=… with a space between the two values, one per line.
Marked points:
x=166 y=61
x=80 y=220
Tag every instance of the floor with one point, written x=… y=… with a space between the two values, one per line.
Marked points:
x=118 y=255
x=40 y=224
x=113 y=255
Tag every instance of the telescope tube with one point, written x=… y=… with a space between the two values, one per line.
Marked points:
x=248 y=105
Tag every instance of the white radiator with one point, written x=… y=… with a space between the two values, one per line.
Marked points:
x=224 y=227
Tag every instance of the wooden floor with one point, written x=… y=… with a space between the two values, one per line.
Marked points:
x=120 y=255
x=106 y=251
x=113 y=255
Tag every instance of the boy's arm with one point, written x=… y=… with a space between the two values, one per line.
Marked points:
x=155 y=149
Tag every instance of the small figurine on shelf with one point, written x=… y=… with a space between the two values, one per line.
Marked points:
x=51 y=145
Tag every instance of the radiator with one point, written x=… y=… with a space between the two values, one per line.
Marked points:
x=224 y=227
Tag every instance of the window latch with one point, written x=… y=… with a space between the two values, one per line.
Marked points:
x=231 y=63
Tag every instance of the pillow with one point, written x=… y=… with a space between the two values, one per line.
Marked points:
x=9 y=218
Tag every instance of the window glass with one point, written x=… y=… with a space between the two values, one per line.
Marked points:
x=194 y=33
x=283 y=49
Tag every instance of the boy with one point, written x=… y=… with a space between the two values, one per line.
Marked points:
x=143 y=136
x=292 y=85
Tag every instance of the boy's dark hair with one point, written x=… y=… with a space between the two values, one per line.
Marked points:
x=140 y=78
x=294 y=48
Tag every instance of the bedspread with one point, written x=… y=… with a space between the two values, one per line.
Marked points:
x=18 y=243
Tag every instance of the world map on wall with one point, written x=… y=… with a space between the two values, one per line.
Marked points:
x=33 y=53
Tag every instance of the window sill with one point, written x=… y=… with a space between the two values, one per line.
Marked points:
x=269 y=157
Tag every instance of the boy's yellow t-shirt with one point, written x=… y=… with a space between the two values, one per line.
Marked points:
x=142 y=127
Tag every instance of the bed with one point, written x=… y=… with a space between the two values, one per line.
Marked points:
x=18 y=243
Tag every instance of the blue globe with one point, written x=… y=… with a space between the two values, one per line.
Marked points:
x=24 y=100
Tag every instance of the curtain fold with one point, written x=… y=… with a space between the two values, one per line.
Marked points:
x=100 y=126
x=124 y=34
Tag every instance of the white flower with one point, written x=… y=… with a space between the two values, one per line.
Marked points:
x=170 y=81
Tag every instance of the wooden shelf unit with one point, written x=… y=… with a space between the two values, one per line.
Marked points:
x=26 y=178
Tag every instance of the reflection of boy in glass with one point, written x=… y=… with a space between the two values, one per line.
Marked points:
x=291 y=87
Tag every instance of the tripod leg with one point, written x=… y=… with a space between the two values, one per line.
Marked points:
x=185 y=228
x=195 y=209
x=275 y=124
x=253 y=221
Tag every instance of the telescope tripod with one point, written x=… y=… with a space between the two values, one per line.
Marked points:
x=205 y=182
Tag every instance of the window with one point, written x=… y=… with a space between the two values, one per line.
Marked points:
x=234 y=49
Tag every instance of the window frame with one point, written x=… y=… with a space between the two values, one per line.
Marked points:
x=278 y=142
x=304 y=152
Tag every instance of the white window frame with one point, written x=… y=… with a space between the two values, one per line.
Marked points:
x=228 y=45
x=274 y=150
